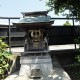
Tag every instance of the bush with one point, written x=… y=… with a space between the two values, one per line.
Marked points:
x=77 y=41
x=67 y=23
x=5 y=60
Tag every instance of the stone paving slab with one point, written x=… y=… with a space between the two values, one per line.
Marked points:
x=60 y=74
x=12 y=76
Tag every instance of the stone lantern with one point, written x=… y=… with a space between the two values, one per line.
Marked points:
x=35 y=60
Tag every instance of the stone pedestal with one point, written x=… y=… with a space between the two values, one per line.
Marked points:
x=35 y=66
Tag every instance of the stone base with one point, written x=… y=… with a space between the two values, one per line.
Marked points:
x=31 y=64
x=44 y=65
x=57 y=74
x=25 y=78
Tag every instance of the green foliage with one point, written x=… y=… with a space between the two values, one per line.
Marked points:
x=3 y=46
x=4 y=59
x=67 y=23
x=59 y=6
x=78 y=58
x=77 y=41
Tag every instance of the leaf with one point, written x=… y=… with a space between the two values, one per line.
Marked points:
x=4 y=58
x=60 y=6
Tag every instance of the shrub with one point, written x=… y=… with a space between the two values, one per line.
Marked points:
x=67 y=23
x=5 y=60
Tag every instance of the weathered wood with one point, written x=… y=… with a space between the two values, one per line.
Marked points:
x=57 y=34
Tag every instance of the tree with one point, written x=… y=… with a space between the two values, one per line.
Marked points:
x=59 y=6
x=67 y=23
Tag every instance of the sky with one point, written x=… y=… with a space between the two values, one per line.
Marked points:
x=13 y=8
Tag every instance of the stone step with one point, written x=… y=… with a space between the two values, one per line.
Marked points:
x=35 y=59
x=34 y=52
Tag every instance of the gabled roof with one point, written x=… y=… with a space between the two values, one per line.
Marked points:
x=35 y=19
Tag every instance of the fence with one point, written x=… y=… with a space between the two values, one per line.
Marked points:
x=58 y=35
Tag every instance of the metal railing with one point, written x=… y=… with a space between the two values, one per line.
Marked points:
x=9 y=29
x=11 y=18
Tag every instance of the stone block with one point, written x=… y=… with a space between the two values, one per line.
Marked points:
x=25 y=70
x=35 y=59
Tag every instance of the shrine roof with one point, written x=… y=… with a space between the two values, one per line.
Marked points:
x=35 y=25
x=34 y=13
x=35 y=19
